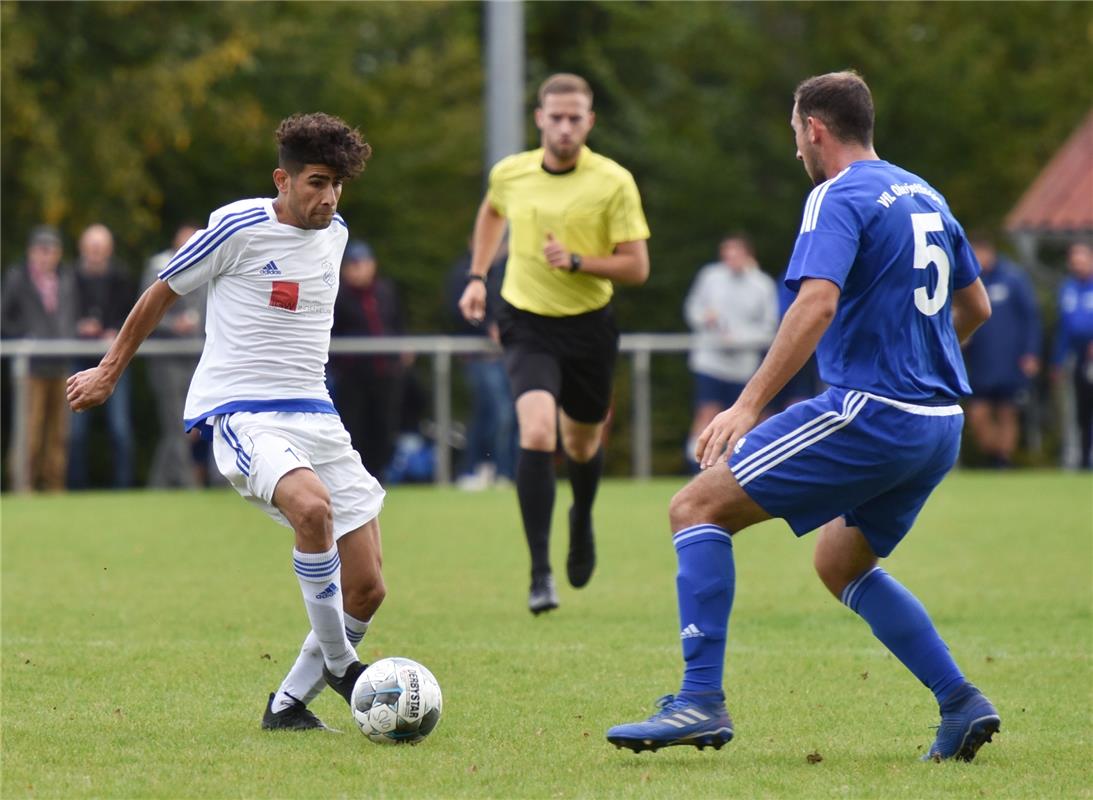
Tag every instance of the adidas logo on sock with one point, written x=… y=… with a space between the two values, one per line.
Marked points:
x=332 y=590
x=690 y=632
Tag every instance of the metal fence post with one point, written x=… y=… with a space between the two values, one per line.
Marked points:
x=20 y=461
x=643 y=414
x=442 y=409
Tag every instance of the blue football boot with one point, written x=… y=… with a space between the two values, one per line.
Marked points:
x=680 y=720
x=968 y=721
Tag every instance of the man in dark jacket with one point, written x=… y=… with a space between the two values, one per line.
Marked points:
x=367 y=388
x=39 y=302
x=105 y=294
x=1002 y=357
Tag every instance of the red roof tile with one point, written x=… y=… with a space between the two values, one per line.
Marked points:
x=1061 y=197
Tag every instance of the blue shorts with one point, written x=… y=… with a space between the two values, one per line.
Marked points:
x=847 y=453
x=709 y=389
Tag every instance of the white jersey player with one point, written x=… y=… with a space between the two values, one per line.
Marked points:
x=271 y=267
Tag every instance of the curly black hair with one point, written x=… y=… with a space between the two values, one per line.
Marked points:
x=321 y=139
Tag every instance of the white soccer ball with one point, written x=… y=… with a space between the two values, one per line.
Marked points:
x=396 y=701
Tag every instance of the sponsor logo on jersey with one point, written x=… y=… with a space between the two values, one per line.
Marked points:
x=270 y=269
x=284 y=294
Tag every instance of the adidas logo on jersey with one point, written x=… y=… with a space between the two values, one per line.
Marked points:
x=690 y=632
x=270 y=269
x=329 y=591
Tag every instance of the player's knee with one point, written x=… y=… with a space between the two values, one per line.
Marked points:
x=364 y=600
x=313 y=515
x=580 y=448
x=688 y=507
x=538 y=436
x=835 y=571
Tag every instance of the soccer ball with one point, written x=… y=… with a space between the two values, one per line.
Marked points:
x=396 y=701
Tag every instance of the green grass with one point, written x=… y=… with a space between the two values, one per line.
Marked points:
x=141 y=633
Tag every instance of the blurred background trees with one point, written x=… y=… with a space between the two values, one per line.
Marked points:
x=141 y=115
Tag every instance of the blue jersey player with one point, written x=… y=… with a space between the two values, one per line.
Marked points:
x=887 y=287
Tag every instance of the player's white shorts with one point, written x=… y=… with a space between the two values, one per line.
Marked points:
x=255 y=450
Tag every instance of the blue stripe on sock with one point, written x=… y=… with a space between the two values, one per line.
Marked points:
x=325 y=567
x=317 y=570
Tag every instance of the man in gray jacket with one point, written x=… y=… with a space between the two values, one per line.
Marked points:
x=733 y=307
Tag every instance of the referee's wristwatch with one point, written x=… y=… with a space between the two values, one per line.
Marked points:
x=574 y=262
x=473 y=276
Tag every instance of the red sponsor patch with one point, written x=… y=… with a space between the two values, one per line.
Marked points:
x=284 y=294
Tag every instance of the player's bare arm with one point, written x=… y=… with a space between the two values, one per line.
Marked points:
x=628 y=264
x=92 y=387
x=489 y=227
x=797 y=337
x=971 y=308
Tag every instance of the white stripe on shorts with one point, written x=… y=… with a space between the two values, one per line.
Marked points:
x=794 y=442
x=912 y=408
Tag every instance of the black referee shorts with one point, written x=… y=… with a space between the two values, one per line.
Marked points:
x=573 y=358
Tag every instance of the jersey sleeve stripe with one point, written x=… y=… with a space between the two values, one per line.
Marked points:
x=813 y=218
x=341 y=221
x=812 y=207
x=202 y=237
x=221 y=233
x=808 y=210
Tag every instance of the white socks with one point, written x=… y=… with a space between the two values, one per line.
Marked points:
x=320 y=576
x=305 y=680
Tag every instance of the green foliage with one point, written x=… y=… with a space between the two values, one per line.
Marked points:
x=142 y=632
x=695 y=98
x=142 y=115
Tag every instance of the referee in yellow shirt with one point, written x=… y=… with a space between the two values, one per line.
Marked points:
x=576 y=229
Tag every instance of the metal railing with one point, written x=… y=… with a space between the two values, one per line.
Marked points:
x=638 y=346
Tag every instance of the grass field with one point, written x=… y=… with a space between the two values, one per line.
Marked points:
x=142 y=632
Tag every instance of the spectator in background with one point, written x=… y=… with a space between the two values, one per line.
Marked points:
x=39 y=302
x=104 y=295
x=367 y=388
x=1074 y=341
x=490 y=453
x=733 y=306
x=1002 y=356
x=173 y=464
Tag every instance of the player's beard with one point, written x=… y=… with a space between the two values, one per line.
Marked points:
x=564 y=152
x=813 y=170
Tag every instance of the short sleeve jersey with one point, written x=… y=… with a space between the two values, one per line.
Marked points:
x=890 y=243
x=271 y=290
x=589 y=209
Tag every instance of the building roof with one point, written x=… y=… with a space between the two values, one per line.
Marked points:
x=1061 y=198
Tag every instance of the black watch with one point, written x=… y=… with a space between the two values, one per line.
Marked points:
x=574 y=262
x=472 y=276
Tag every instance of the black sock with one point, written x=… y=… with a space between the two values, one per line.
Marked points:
x=535 y=489
x=585 y=479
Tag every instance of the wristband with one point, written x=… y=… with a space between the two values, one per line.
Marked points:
x=473 y=276
x=574 y=262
